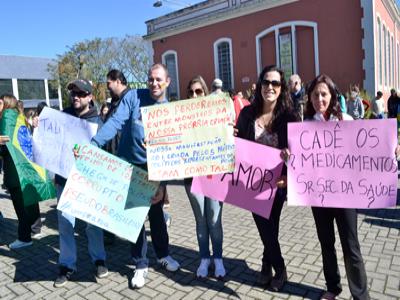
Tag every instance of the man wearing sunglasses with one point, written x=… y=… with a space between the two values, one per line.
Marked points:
x=80 y=93
x=127 y=120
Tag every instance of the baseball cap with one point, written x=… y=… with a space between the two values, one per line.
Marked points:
x=80 y=85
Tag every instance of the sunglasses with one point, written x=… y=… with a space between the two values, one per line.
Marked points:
x=274 y=83
x=198 y=92
x=79 y=94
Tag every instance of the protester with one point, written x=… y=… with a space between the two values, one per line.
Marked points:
x=378 y=106
x=80 y=92
x=127 y=119
x=27 y=215
x=35 y=119
x=238 y=103
x=104 y=111
x=355 y=107
x=251 y=93
x=216 y=86
x=265 y=122
x=296 y=93
x=324 y=106
x=207 y=212
x=393 y=104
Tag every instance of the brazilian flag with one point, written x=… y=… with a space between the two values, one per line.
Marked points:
x=35 y=183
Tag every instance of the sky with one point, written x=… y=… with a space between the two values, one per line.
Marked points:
x=45 y=28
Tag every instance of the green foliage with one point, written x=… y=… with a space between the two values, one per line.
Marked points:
x=92 y=59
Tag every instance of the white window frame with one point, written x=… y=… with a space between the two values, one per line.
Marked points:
x=216 y=63
x=292 y=25
x=175 y=54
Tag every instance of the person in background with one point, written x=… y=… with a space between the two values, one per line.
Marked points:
x=393 y=104
x=216 y=86
x=296 y=93
x=207 y=212
x=27 y=215
x=323 y=106
x=378 y=106
x=265 y=121
x=104 y=111
x=355 y=107
x=238 y=103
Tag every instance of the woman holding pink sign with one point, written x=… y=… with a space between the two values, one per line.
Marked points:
x=324 y=106
x=265 y=122
x=207 y=212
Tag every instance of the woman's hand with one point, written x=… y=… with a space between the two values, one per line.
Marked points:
x=397 y=152
x=285 y=154
x=4 y=139
x=282 y=182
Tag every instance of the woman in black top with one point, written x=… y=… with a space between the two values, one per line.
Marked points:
x=265 y=122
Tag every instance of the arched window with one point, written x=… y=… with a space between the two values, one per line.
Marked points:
x=170 y=60
x=223 y=62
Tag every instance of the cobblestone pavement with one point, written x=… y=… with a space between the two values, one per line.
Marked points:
x=29 y=273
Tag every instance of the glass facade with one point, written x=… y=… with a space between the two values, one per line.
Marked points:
x=31 y=89
x=6 y=86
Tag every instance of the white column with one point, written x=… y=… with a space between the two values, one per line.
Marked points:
x=46 y=91
x=15 y=87
x=59 y=97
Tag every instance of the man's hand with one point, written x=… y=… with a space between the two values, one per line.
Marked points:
x=159 y=195
x=4 y=139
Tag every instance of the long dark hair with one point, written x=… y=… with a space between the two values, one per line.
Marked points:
x=284 y=104
x=334 y=105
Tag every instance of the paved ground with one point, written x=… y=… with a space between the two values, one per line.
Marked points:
x=29 y=273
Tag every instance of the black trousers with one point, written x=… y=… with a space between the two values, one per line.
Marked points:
x=346 y=221
x=269 y=233
x=27 y=215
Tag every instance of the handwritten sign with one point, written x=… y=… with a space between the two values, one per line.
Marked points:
x=252 y=185
x=348 y=164
x=55 y=138
x=190 y=137
x=108 y=192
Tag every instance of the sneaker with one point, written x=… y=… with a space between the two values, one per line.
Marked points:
x=63 y=276
x=169 y=263
x=36 y=235
x=265 y=277
x=101 y=269
x=139 y=278
x=328 y=296
x=19 y=244
x=278 y=281
x=219 y=268
x=202 y=270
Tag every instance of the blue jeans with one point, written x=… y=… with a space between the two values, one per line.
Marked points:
x=68 y=255
x=159 y=237
x=208 y=214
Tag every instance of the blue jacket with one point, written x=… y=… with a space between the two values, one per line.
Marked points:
x=128 y=119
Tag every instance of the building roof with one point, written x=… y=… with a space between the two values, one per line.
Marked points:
x=205 y=13
x=23 y=67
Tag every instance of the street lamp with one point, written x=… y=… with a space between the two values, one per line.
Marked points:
x=159 y=3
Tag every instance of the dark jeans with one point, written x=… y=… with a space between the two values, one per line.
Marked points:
x=269 y=233
x=346 y=221
x=159 y=237
x=27 y=215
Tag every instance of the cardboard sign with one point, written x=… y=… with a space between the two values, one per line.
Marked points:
x=190 y=137
x=252 y=185
x=108 y=192
x=55 y=138
x=347 y=164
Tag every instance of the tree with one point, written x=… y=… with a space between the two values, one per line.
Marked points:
x=92 y=59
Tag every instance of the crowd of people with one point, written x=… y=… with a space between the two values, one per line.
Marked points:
x=263 y=118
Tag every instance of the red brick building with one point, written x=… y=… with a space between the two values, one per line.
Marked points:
x=353 y=41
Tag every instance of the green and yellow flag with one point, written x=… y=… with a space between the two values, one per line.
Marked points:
x=35 y=183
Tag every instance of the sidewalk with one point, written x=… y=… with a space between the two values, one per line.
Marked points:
x=29 y=273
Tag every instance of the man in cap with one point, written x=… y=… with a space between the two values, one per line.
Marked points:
x=128 y=120
x=216 y=86
x=80 y=92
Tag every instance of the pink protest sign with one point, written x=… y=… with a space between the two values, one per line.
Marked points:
x=252 y=185
x=347 y=164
